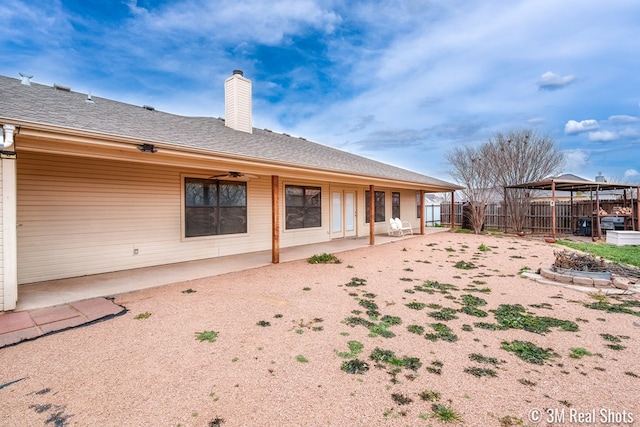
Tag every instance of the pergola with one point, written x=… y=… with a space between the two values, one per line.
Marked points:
x=572 y=185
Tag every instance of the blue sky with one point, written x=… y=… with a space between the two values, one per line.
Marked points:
x=402 y=82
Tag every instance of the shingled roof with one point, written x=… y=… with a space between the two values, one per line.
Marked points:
x=48 y=105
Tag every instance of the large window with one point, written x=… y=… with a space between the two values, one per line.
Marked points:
x=214 y=207
x=395 y=204
x=303 y=207
x=378 y=210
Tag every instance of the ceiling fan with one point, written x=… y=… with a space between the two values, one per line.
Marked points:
x=234 y=175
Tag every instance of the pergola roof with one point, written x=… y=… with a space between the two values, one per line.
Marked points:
x=572 y=185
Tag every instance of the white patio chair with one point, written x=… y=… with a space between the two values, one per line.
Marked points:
x=405 y=226
x=394 y=228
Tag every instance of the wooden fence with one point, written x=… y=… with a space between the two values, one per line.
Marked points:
x=538 y=219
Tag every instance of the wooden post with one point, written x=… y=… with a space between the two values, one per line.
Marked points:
x=423 y=213
x=504 y=208
x=553 y=209
x=372 y=216
x=453 y=213
x=275 y=219
x=637 y=209
x=598 y=212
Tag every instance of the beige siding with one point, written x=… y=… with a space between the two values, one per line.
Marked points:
x=304 y=236
x=80 y=216
x=86 y=216
x=408 y=210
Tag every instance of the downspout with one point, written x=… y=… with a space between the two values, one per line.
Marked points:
x=6 y=138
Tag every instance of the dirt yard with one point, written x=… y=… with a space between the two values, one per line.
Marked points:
x=417 y=332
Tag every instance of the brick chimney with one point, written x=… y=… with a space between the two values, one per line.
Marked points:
x=237 y=102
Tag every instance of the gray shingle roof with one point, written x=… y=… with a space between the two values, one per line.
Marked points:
x=50 y=106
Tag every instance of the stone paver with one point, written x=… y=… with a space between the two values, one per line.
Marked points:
x=25 y=325
x=11 y=322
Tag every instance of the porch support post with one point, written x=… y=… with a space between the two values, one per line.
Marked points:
x=8 y=208
x=598 y=212
x=553 y=209
x=453 y=211
x=637 y=209
x=275 y=219
x=423 y=214
x=372 y=216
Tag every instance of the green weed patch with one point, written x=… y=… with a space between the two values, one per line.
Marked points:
x=442 y=332
x=444 y=314
x=514 y=316
x=355 y=366
x=324 y=259
x=528 y=351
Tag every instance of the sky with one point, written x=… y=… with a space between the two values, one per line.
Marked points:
x=402 y=82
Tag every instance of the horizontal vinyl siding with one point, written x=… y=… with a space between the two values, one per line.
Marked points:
x=86 y=216
x=408 y=210
x=305 y=236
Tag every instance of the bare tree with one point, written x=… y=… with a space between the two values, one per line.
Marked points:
x=518 y=157
x=472 y=170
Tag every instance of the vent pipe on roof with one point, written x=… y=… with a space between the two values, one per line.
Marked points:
x=6 y=136
x=61 y=87
x=237 y=102
x=25 y=79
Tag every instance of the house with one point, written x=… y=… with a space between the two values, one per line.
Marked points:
x=91 y=185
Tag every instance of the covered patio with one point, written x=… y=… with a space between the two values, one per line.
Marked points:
x=594 y=189
x=64 y=291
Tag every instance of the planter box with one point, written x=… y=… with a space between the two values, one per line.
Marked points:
x=622 y=238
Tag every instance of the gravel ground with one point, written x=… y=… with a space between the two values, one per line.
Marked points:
x=152 y=371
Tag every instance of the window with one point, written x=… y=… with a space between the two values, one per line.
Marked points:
x=214 y=207
x=419 y=205
x=379 y=206
x=395 y=204
x=303 y=208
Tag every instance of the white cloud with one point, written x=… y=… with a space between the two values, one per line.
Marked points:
x=536 y=121
x=573 y=126
x=602 y=135
x=623 y=119
x=629 y=173
x=266 y=22
x=552 y=81
x=576 y=158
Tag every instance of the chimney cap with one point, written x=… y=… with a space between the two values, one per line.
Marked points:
x=238 y=72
